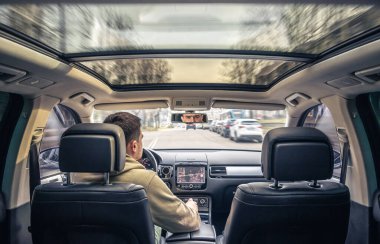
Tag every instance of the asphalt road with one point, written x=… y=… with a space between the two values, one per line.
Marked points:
x=199 y=139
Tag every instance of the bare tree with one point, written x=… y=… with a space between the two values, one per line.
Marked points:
x=299 y=28
x=313 y=28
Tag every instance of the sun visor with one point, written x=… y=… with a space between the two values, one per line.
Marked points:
x=133 y=105
x=247 y=105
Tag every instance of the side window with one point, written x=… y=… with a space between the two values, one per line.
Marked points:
x=60 y=119
x=320 y=118
x=4 y=97
x=4 y=103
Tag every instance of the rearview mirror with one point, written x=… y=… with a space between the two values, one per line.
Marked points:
x=189 y=118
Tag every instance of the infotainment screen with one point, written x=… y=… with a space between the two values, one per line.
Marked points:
x=190 y=174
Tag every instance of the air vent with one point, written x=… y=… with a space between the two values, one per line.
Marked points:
x=9 y=74
x=371 y=75
x=5 y=76
x=218 y=171
x=190 y=104
x=178 y=103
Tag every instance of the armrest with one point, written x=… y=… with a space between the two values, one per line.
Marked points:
x=173 y=237
x=205 y=233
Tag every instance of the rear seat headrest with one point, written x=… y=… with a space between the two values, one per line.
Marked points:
x=297 y=153
x=95 y=148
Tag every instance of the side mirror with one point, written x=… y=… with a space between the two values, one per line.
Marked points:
x=189 y=118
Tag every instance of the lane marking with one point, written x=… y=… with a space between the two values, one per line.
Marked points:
x=153 y=143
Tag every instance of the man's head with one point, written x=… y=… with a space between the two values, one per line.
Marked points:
x=191 y=118
x=132 y=130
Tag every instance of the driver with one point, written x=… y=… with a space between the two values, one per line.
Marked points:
x=168 y=211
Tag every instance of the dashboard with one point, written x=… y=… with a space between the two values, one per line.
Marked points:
x=210 y=177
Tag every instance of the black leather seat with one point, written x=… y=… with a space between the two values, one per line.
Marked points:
x=97 y=212
x=295 y=212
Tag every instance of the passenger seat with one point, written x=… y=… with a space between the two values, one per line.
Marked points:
x=300 y=209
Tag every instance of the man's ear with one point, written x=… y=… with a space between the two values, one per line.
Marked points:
x=134 y=146
x=131 y=147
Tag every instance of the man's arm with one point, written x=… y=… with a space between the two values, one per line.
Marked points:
x=168 y=211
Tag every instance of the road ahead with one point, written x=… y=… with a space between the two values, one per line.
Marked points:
x=182 y=138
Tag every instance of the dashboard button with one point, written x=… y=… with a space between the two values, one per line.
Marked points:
x=165 y=170
x=191 y=186
x=168 y=185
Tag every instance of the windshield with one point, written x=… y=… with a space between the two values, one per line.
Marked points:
x=234 y=129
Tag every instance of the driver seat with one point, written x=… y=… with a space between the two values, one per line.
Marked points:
x=92 y=212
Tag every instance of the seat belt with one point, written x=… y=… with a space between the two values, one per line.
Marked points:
x=345 y=152
x=34 y=166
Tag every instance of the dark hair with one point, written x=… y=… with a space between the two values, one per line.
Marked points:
x=128 y=122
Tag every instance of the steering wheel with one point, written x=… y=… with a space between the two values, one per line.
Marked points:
x=148 y=160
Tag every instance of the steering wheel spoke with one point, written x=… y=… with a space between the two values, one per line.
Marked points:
x=148 y=160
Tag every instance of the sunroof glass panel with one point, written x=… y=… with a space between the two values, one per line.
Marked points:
x=126 y=72
x=78 y=28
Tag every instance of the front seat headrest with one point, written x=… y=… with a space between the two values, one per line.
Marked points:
x=94 y=148
x=297 y=153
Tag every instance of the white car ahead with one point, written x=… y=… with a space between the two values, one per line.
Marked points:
x=246 y=129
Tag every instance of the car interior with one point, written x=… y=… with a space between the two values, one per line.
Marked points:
x=292 y=89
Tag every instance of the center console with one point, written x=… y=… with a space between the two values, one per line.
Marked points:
x=204 y=206
x=191 y=176
x=187 y=178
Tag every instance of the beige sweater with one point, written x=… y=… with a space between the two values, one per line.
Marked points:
x=168 y=211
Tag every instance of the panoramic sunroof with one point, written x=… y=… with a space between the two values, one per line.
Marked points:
x=191 y=70
x=79 y=28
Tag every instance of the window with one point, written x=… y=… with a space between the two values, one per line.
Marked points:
x=369 y=110
x=249 y=122
x=4 y=97
x=320 y=118
x=60 y=119
x=126 y=72
x=11 y=106
x=4 y=100
x=246 y=133
x=301 y=28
